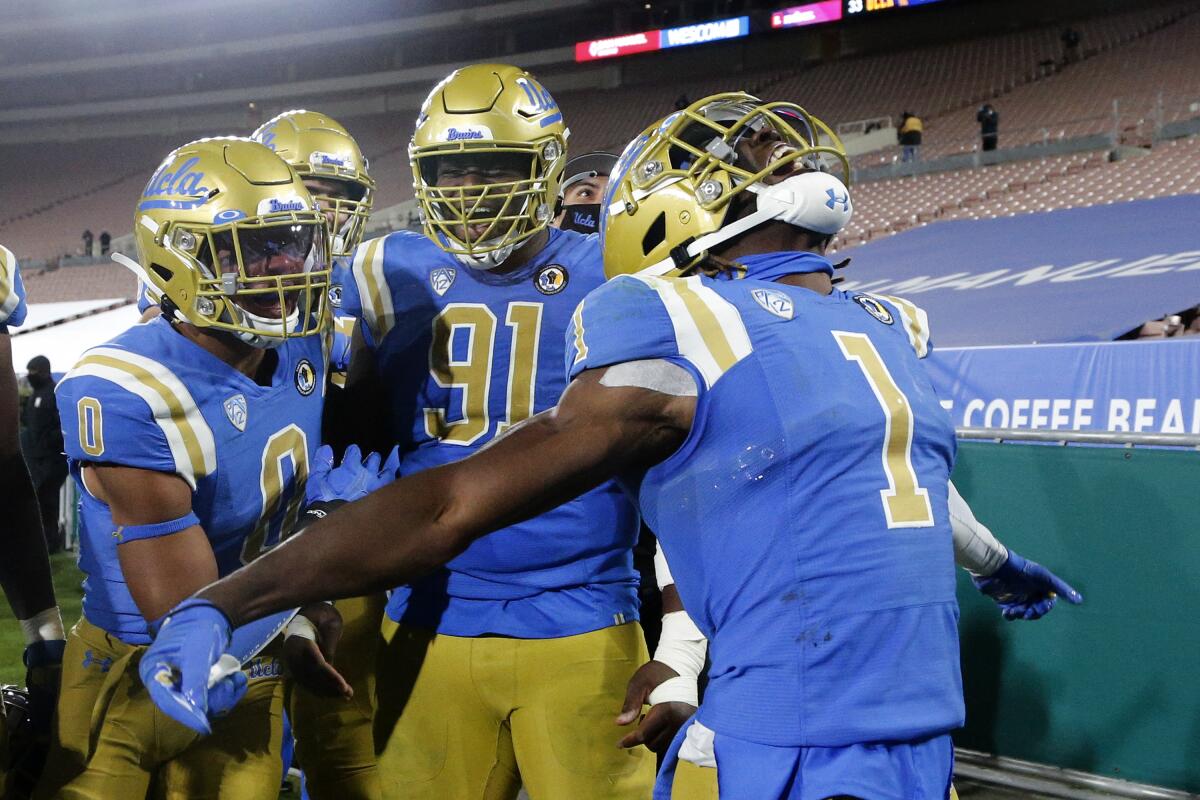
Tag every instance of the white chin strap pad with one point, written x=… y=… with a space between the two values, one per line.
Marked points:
x=816 y=201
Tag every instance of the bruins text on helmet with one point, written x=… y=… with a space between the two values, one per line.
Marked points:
x=670 y=197
x=332 y=166
x=228 y=235
x=492 y=116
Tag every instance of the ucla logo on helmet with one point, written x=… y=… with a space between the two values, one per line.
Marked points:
x=306 y=377
x=550 y=279
x=183 y=180
x=171 y=184
x=875 y=308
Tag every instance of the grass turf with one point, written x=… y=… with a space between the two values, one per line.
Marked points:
x=67 y=589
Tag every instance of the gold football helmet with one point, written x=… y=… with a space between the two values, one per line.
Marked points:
x=482 y=111
x=320 y=149
x=231 y=239
x=668 y=200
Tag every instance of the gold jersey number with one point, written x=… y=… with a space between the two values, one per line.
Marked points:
x=905 y=502
x=472 y=373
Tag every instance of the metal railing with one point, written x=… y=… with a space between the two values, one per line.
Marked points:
x=1113 y=438
x=1047 y=781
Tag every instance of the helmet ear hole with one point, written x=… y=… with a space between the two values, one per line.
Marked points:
x=162 y=272
x=656 y=234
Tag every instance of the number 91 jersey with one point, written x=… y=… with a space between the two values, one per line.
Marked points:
x=465 y=354
x=152 y=399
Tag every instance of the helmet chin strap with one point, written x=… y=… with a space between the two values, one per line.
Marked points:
x=816 y=201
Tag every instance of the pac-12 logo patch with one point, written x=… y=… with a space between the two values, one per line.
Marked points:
x=442 y=278
x=550 y=279
x=774 y=301
x=306 y=377
x=235 y=409
x=875 y=308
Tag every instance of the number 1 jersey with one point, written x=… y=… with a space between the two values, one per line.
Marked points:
x=805 y=518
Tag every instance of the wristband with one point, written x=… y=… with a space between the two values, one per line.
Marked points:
x=675 y=690
x=300 y=626
x=682 y=646
x=44 y=626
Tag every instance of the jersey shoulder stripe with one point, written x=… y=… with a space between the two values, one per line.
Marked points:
x=708 y=328
x=915 y=321
x=370 y=280
x=12 y=292
x=638 y=317
x=175 y=412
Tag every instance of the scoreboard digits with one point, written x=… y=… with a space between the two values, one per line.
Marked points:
x=860 y=6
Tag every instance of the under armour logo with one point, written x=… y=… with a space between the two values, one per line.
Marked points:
x=834 y=200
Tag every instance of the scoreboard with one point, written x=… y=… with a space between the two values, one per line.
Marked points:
x=834 y=10
x=853 y=7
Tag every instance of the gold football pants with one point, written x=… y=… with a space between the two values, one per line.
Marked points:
x=111 y=741
x=334 y=741
x=476 y=718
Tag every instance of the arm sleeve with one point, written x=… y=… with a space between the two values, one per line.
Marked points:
x=975 y=548
x=12 y=291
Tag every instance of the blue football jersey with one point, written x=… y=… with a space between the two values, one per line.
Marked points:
x=464 y=354
x=12 y=291
x=805 y=518
x=152 y=399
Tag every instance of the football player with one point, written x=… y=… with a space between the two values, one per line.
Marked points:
x=583 y=185
x=334 y=738
x=507 y=666
x=780 y=435
x=25 y=568
x=190 y=437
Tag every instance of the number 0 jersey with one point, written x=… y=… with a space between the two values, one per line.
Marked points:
x=805 y=518
x=153 y=399
x=12 y=291
x=465 y=354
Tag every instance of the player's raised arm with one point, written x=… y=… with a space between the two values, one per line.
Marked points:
x=422 y=521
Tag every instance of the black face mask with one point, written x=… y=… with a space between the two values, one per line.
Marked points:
x=40 y=381
x=584 y=218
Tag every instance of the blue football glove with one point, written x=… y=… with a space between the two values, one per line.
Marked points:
x=351 y=480
x=1025 y=589
x=179 y=663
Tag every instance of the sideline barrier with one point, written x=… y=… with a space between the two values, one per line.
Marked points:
x=1108 y=687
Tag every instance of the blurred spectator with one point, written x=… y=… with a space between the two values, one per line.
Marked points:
x=1070 y=43
x=584 y=181
x=87 y=242
x=682 y=102
x=105 y=241
x=909 y=135
x=43 y=447
x=989 y=126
